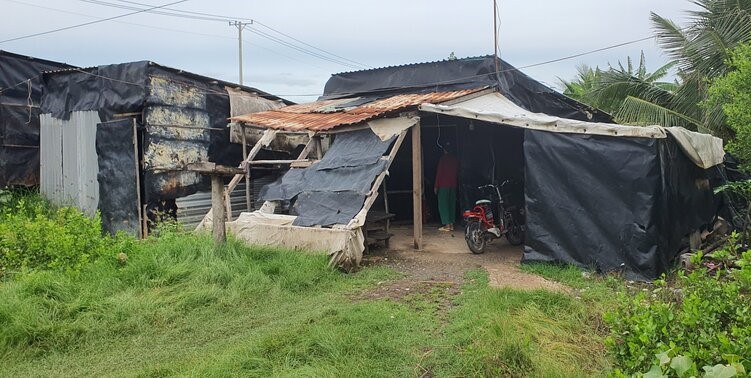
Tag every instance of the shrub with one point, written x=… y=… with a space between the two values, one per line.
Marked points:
x=705 y=315
x=35 y=235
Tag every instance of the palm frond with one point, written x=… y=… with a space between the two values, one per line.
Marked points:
x=636 y=111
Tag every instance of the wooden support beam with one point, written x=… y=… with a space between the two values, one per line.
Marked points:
x=262 y=162
x=265 y=138
x=417 y=185
x=217 y=207
x=247 y=177
x=309 y=147
x=373 y=194
x=318 y=148
x=141 y=214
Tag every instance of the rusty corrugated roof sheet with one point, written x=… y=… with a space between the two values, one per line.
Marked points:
x=329 y=114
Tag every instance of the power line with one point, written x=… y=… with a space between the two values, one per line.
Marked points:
x=189 y=32
x=333 y=58
x=309 y=45
x=301 y=49
x=589 y=52
x=235 y=18
x=90 y=22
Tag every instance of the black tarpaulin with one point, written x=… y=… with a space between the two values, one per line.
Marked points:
x=333 y=190
x=116 y=88
x=20 y=95
x=458 y=74
x=354 y=149
x=610 y=203
x=327 y=208
x=118 y=199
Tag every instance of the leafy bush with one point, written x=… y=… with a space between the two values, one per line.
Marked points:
x=35 y=235
x=705 y=315
x=733 y=93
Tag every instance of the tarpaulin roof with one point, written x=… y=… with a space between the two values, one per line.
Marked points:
x=458 y=74
x=328 y=114
x=703 y=149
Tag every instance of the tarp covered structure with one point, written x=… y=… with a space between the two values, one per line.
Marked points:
x=152 y=122
x=596 y=194
x=20 y=95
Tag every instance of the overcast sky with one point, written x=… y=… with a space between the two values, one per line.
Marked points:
x=371 y=33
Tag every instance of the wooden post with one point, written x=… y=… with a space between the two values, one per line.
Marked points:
x=247 y=170
x=141 y=214
x=217 y=207
x=217 y=194
x=417 y=185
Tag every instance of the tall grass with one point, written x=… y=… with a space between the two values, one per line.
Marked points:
x=176 y=305
x=525 y=333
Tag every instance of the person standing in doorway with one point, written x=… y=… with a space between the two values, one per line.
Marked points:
x=445 y=187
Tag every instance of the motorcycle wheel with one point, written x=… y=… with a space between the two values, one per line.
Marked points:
x=475 y=237
x=515 y=235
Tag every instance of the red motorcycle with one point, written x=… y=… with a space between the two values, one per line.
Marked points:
x=492 y=218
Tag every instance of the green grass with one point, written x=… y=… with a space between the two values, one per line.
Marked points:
x=178 y=306
x=503 y=332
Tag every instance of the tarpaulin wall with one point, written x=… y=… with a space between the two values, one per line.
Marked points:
x=183 y=118
x=611 y=203
x=118 y=166
x=19 y=117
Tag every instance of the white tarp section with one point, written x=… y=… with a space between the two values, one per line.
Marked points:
x=703 y=149
x=345 y=246
x=241 y=102
x=387 y=128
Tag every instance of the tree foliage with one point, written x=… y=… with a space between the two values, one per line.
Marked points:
x=699 y=54
x=732 y=93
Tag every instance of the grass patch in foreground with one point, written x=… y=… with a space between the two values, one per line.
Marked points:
x=504 y=332
x=178 y=306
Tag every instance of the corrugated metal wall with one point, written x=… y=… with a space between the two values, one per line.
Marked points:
x=68 y=160
x=192 y=209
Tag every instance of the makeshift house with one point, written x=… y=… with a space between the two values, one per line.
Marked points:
x=20 y=94
x=118 y=138
x=595 y=193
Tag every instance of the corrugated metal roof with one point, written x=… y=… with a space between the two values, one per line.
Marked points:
x=329 y=114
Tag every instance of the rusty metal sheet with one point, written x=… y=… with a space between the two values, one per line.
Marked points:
x=324 y=115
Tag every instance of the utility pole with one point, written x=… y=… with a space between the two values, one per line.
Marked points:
x=495 y=35
x=240 y=27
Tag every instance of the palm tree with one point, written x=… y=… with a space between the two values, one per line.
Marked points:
x=699 y=52
x=583 y=87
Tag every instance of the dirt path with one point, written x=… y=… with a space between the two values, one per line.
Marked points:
x=446 y=259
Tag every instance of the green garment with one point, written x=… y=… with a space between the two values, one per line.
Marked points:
x=447 y=205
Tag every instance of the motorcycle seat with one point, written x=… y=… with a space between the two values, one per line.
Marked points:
x=482 y=201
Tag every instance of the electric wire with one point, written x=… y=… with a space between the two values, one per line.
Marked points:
x=254 y=21
x=89 y=23
x=333 y=58
x=169 y=30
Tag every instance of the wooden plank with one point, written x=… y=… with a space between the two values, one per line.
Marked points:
x=138 y=178
x=262 y=162
x=373 y=194
x=244 y=165
x=217 y=207
x=247 y=177
x=213 y=169
x=417 y=185
x=318 y=148
x=308 y=147
x=251 y=155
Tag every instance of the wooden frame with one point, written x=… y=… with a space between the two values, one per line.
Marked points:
x=417 y=185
